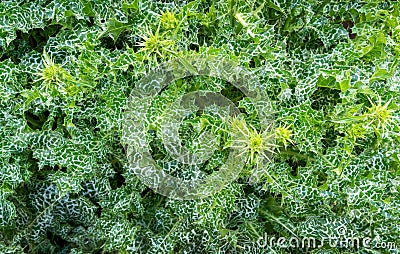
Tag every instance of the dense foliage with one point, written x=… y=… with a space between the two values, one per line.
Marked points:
x=67 y=67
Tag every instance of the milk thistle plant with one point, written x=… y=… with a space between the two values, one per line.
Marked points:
x=155 y=45
x=52 y=75
x=380 y=116
x=325 y=165
x=250 y=141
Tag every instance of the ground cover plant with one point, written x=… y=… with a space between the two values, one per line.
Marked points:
x=329 y=69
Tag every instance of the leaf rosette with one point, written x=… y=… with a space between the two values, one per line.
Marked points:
x=137 y=127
